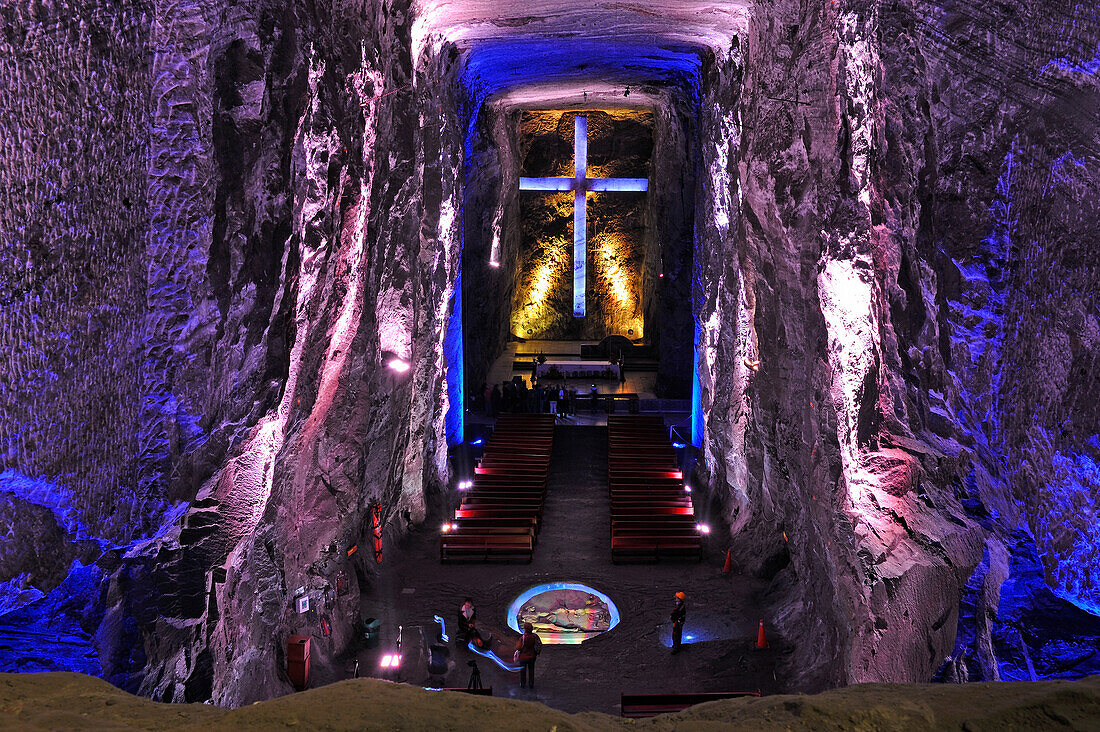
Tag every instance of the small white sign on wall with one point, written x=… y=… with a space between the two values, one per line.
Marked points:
x=303 y=604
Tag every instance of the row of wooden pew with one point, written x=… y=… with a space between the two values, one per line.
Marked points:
x=652 y=516
x=501 y=510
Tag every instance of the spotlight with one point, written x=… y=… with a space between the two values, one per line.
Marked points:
x=478 y=441
x=391 y=661
x=687 y=489
x=446 y=528
x=494 y=264
x=702 y=528
x=399 y=365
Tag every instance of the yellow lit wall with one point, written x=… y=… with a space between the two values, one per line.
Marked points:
x=620 y=145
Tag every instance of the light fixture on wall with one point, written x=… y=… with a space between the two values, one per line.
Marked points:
x=395 y=362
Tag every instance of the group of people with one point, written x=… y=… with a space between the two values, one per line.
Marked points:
x=527 y=648
x=529 y=645
x=514 y=397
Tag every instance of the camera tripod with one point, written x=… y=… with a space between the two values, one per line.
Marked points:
x=475 y=676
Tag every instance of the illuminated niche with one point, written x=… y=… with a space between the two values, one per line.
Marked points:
x=583 y=203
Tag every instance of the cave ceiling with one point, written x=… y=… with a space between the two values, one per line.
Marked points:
x=563 y=52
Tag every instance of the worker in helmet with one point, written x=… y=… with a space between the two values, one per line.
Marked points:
x=678 y=615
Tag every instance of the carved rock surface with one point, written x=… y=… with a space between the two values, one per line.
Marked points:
x=222 y=224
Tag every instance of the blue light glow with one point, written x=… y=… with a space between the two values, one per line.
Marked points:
x=478 y=441
x=455 y=421
x=492 y=657
x=638 y=185
x=519 y=602
x=696 y=395
x=1089 y=66
x=443 y=629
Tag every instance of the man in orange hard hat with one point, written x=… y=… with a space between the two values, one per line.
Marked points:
x=678 y=615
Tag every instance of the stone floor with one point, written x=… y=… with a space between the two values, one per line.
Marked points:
x=574 y=545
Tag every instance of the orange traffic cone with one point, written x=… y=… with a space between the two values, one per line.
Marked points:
x=728 y=566
x=761 y=641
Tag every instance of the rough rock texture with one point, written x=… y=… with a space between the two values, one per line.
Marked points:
x=240 y=214
x=868 y=212
x=273 y=253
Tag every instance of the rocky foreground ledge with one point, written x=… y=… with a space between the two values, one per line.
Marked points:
x=72 y=701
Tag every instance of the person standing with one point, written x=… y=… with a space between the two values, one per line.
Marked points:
x=678 y=615
x=467 y=616
x=528 y=648
x=540 y=398
x=494 y=401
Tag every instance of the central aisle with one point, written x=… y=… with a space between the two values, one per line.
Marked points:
x=577 y=512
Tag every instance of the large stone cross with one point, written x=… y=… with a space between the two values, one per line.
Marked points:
x=580 y=184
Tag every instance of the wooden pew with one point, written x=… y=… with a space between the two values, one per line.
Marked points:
x=635 y=706
x=519 y=514
x=654 y=548
x=648 y=512
x=485 y=548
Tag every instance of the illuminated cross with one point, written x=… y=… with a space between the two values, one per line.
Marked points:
x=580 y=184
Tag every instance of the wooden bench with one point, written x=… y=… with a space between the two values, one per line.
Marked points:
x=621 y=498
x=654 y=548
x=642 y=458
x=640 y=522
x=523 y=489
x=514 y=530
x=476 y=500
x=635 y=706
x=487 y=691
x=485 y=548
x=637 y=474
x=506 y=482
x=538 y=471
x=626 y=512
x=664 y=532
x=511 y=458
x=648 y=480
x=516 y=451
x=518 y=514
x=482 y=496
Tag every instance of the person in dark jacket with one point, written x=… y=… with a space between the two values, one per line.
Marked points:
x=528 y=648
x=678 y=615
x=467 y=614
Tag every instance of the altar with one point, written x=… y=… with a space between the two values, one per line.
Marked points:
x=580 y=369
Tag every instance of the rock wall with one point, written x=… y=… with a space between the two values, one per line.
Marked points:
x=73 y=215
x=884 y=197
x=239 y=215
x=261 y=253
